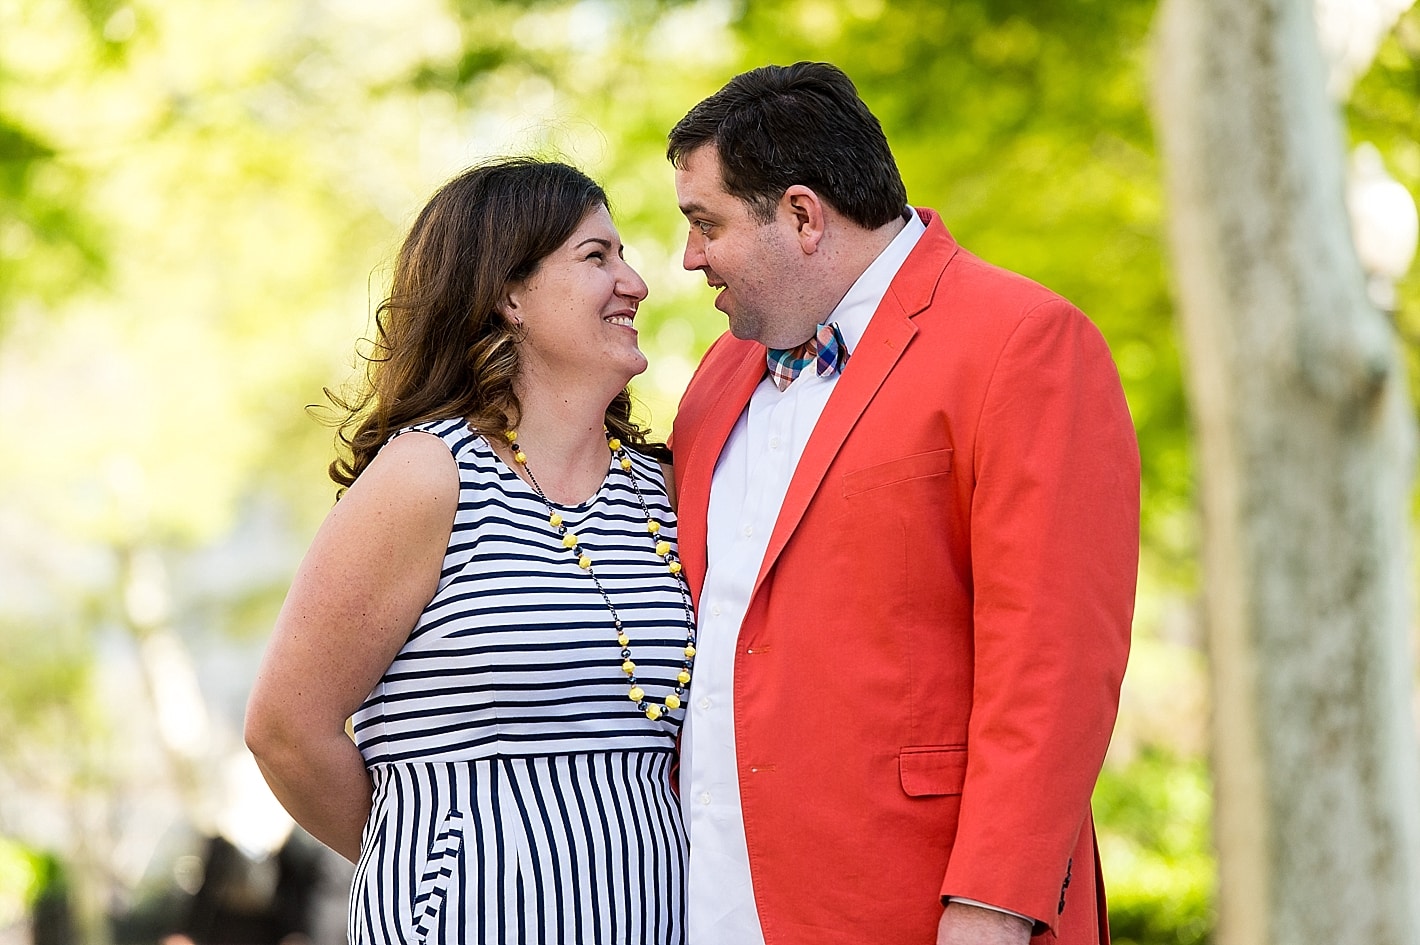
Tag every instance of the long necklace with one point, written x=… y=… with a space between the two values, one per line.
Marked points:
x=570 y=541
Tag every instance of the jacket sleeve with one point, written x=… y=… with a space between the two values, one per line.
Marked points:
x=1054 y=549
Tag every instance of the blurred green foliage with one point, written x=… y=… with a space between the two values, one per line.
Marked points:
x=1384 y=109
x=19 y=881
x=1160 y=876
x=47 y=244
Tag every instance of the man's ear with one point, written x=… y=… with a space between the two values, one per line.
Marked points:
x=805 y=209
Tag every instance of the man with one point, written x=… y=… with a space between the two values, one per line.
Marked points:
x=914 y=564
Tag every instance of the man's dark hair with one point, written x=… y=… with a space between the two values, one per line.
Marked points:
x=777 y=126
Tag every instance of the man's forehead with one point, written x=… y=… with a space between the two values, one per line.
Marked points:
x=698 y=179
x=690 y=204
x=702 y=165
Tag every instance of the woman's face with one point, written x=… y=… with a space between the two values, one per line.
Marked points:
x=578 y=309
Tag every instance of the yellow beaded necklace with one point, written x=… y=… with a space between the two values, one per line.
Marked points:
x=637 y=694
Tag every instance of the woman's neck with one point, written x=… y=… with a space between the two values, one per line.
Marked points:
x=564 y=439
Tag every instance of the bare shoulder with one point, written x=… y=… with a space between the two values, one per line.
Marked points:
x=413 y=460
x=413 y=475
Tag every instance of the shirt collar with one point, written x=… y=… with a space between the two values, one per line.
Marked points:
x=856 y=308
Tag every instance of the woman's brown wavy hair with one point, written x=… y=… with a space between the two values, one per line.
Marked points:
x=441 y=348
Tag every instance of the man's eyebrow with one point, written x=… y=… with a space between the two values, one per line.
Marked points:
x=688 y=208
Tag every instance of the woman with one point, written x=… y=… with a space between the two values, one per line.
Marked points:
x=495 y=598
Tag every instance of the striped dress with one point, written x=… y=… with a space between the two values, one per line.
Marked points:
x=520 y=796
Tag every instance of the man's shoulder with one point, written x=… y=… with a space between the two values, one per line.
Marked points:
x=725 y=354
x=964 y=279
x=972 y=278
x=712 y=376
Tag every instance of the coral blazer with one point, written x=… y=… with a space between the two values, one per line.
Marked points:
x=928 y=673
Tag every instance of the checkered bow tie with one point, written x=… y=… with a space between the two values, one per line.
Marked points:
x=826 y=351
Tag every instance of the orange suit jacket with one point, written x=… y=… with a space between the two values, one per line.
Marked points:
x=928 y=673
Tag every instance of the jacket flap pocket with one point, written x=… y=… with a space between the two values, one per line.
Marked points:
x=916 y=466
x=932 y=770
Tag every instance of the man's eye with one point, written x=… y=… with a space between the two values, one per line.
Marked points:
x=703 y=227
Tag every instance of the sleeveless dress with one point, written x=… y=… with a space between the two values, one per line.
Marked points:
x=519 y=794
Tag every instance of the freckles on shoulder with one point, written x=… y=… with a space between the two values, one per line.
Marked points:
x=402 y=504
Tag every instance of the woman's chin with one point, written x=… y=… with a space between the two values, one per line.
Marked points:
x=630 y=363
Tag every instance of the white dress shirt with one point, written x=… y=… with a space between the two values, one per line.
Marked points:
x=748 y=488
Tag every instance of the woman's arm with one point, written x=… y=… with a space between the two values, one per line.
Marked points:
x=372 y=568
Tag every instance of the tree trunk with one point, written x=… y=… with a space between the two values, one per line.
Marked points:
x=1304 y=437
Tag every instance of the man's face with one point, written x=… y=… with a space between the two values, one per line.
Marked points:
x=756 y=266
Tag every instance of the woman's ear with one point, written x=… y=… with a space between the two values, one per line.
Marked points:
x=509 y=308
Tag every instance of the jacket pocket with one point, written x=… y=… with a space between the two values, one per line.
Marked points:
x=932 y=770
x=433 y=887
x=916 y=466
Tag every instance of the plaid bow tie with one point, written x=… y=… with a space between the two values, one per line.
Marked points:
x=826 y=350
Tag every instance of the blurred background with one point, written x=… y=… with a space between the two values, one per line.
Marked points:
x=199 y=206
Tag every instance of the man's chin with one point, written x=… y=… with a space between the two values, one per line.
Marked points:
x=746 y=326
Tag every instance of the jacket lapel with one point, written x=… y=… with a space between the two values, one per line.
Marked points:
x=888 y=335
x=706 y=431
x=868 y=367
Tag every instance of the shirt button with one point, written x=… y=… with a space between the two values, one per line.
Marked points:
x=705 y=797
x=715 y=610
x=774 y=442
x=749 y=530
x=704 y=703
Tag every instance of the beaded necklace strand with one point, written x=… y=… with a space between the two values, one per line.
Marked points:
x=636 y=693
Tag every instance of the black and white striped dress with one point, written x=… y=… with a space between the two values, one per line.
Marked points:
x=520 y=796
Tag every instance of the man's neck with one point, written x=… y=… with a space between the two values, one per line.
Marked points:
x=854 y=251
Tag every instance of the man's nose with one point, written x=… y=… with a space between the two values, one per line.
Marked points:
x=694 y=257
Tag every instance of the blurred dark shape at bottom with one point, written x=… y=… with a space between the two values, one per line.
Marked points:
x=51 y=922
x=207 y=891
